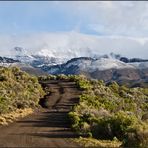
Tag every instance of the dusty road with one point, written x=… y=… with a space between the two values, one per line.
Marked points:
x=48 y=127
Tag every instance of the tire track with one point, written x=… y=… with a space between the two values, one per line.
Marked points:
x=47 y=127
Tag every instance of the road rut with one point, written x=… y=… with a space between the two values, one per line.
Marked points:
x=46 y=127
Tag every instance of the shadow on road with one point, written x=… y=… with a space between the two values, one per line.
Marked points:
x=50 y=123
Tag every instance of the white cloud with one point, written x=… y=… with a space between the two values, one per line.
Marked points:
x=128 y=18
x=123 y=26
x=73 y=44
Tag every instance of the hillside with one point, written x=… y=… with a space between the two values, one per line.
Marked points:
x=103 y=115
x=48 y=126
x=112 y=112
x=132 y=72
x=108 y=69
x=18 y=90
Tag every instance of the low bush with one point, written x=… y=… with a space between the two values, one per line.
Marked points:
x=105 y=112
x=18 y=90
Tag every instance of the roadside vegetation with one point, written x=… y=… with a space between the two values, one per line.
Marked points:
x=112 y=113
x=18 y=91
x=7 y=118
x=106 y=115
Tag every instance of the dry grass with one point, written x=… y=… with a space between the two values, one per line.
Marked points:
x=19 y=113
x=90 y=142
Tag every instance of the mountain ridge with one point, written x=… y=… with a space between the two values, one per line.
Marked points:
x=109 y=67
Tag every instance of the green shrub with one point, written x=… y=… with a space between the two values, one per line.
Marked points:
x=137 y=136
x=111 y=111
x=18 y=90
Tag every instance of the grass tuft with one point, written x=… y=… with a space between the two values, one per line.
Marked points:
x=5 y=119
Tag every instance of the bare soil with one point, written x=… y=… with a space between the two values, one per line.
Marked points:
x=48 y=126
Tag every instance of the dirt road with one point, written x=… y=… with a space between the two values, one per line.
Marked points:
x=48 y=127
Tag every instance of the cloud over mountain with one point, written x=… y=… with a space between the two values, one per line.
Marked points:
x=75 y=28
x=74 y=44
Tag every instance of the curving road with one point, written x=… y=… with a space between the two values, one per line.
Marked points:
x=46 y=127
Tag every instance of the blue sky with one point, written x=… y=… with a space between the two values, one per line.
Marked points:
x=114 y=22
x=22 y=17
x=102 y=18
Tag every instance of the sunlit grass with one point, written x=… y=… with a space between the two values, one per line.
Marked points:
x=5 y=119
x=91 y=142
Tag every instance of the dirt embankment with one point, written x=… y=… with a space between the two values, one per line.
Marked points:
x=47 y=127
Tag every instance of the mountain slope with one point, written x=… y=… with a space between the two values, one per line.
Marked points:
x=5 y=60
x=18 y=90
x=108 y=69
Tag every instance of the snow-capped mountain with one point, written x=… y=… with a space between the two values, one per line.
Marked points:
x=108 y=67
x=38 y=59
x=7 y=60
x=4 y=61
x=21 y=54
x=47 y=57
x=87 y=64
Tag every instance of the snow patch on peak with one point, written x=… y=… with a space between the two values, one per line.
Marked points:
x=90 y=65
x=107 y=63
x=21 y=54
x=46 y=53
x=81 y=62
x=140 y=65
